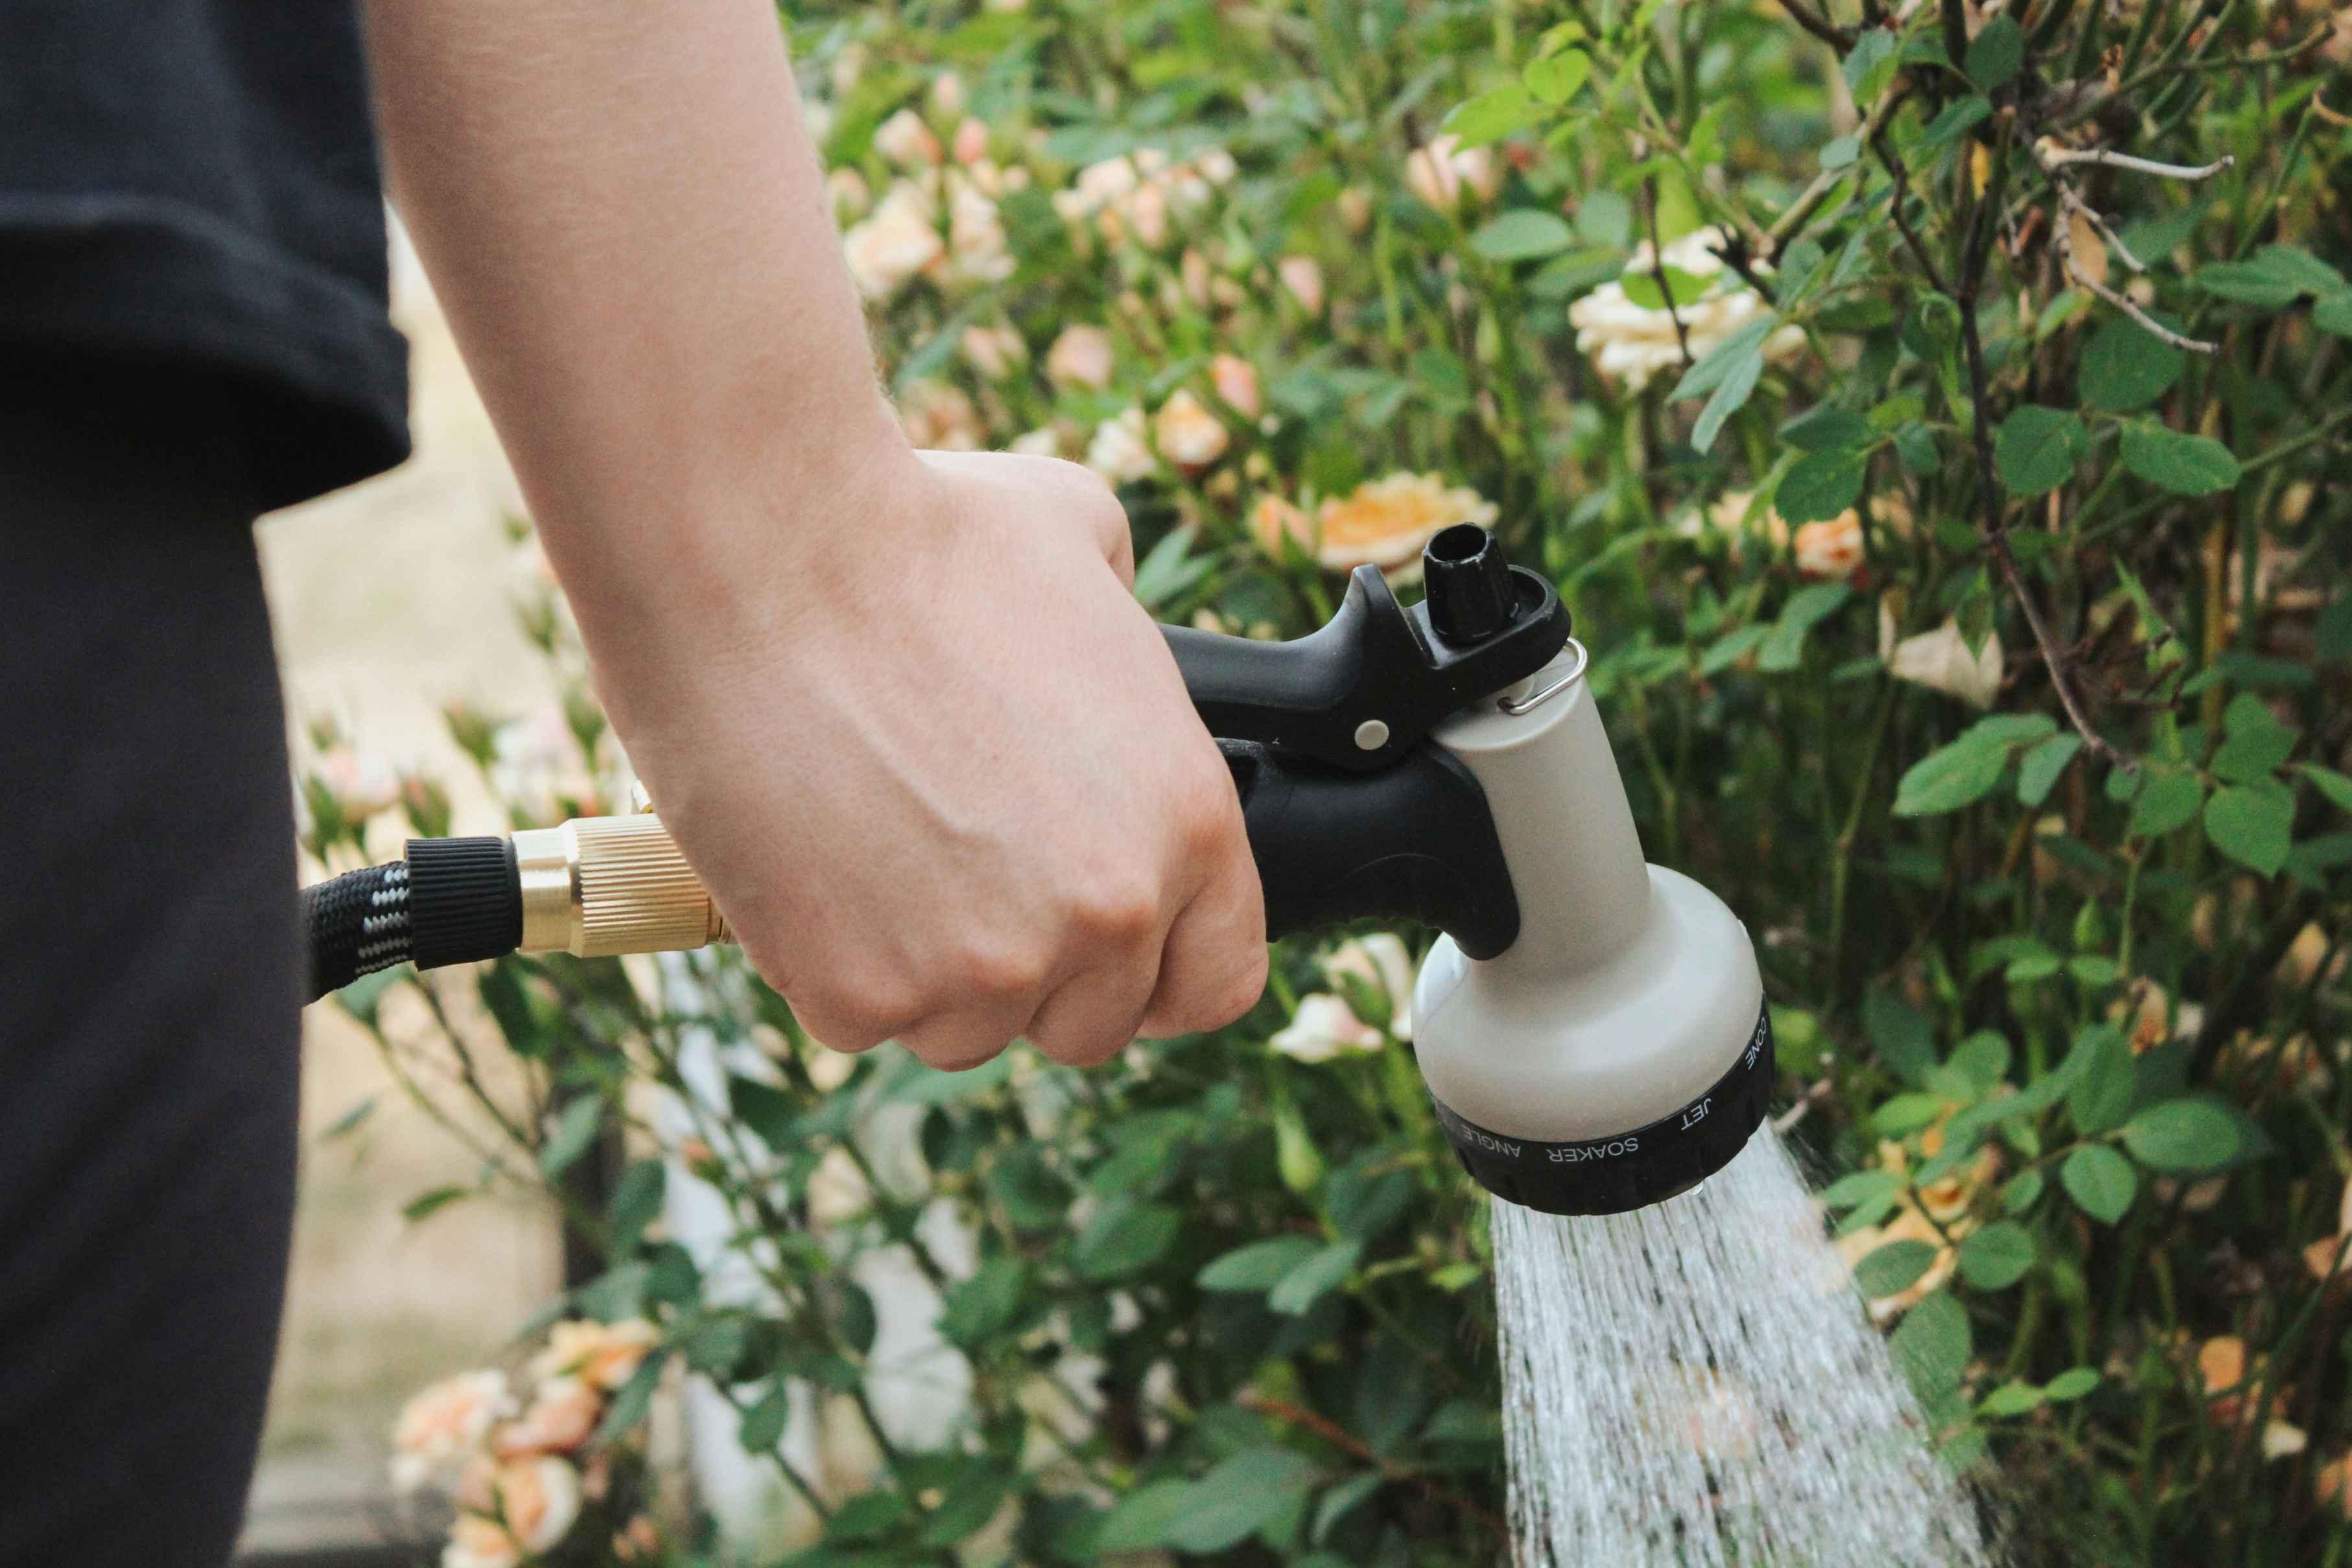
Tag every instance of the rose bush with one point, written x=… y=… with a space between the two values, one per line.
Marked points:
x=1933 y=415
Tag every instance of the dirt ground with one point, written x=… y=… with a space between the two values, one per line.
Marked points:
x=390 y=599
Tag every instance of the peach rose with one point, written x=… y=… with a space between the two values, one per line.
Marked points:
x=445 y=1421
x=907 y=141
x=603 y=1355
x=539 y=1500
x=938 y=417
x=896 y=245
x=1443 y=171
x=1235 y=379
x=478 y=1542
x=1274 y=520
x=1831 y=551
x=1323 y=1027
x=994 y=351
x=1385 y=522
x=560 y=1418
x=1082 y=357
x=1187 y=433
x=1303 y=276
x=970 y=142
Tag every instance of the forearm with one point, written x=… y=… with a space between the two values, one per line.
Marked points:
x=624 y=219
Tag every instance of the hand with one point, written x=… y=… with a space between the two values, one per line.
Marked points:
x=940 y=772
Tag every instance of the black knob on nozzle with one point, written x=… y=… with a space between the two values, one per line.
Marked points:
x=1468 y=579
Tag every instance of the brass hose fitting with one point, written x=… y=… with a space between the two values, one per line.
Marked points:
x=598 y=886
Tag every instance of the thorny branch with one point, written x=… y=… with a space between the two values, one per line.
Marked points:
x=1819 y=25
x=1992 y=523
x=1339 y=1437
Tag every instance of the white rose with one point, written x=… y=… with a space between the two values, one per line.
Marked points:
x=907 y=141
x=1188 y=433
x=1323 y=1028
x=1119 y=452
x=896 y=245
x=1081 y=356
x=1382 y=962
x=445 y=1421
x=1940 y=659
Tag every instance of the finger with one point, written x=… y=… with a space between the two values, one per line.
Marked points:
x=1213 y=970
x=961 y=1040
x=1097 y=1015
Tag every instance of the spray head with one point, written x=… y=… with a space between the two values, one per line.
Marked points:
x=1592 y=1028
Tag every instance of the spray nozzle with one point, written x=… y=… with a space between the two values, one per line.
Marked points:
x=1591 y=1027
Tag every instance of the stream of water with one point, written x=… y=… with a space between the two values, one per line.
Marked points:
x=1695 y=1384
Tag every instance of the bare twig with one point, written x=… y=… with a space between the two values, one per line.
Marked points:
x=2055 y=157
x=1819 y=25
x=1902 y=178
x=1658 y=263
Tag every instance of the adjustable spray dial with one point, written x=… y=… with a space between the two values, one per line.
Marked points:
x=1592 y=1029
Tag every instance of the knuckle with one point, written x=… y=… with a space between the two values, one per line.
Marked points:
x=996 y=973
x=1116 y=914
x=1080 y=1048
x=953 y=1045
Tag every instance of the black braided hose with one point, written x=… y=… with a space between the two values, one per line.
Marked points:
x=450 y=901
x=358 y=924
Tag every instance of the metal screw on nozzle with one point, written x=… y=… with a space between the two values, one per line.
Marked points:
x=1469 y=582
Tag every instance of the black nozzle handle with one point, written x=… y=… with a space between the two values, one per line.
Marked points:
x=1414 y=842
x=1371 y=683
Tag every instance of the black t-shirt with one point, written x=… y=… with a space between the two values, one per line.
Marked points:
x=195 y=182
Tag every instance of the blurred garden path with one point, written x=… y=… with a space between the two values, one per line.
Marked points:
x=390 y=599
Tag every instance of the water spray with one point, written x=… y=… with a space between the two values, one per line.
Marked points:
x=1592 y=1028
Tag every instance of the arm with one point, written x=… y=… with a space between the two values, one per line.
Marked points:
x=935 y=764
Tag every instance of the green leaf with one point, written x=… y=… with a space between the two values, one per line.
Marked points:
x=574 y=1132
x=2104 y=1087
x=2184 y=465
x=763 y=1426
x=2168 y=801
x=1931 y=1344
x=1946 y=781
x=1861 y=1187
x=350 y=1121
x=2036 y=449
x=2039 y=769
x=1996 y=52
x=2257 y=742
x=1841 y=152
x=2252 y=826
x=2100 y=1181
x=1643 y=286
x=2124 y=367
x=1122 y=1240
x=1820 y=486
x=1825 y=428
x=633 y=1399
x=1807 y=608
x=767 y=1109
x=2274 y=277
x=1259 y=1265
x=1491 y=116
x=2071 y=1385
x=1555 y=79
x=2010 y=1399
x=1737 y=387
x=981 y=1307
x=1229 y=1504
x=1719 y=361
x=2334 y=314
x=1893 y=1268
x=1874 y=48
x=1313 y=1278
x=1905 y=1040
x=1906 y=1113
x=2181 y=1135
x=2330 y=783
x=637 y=1200
x=2023 y=1191
x=1957 y=120
x=1998 y=1256
x=1142 y=1519
x=433 y=1202
x=1523 y=234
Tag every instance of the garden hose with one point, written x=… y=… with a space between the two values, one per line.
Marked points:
x=1591 y=1028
